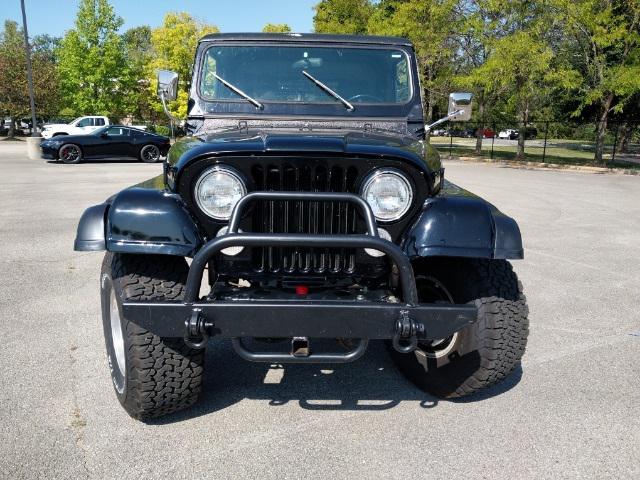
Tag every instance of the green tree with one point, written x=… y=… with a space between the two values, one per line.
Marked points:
x=430 y=25
x=94 y=74
x=138 y=53
x=479 y=30
x=605 y=37
x=628 y=120
x=519 y=66
x=174 y=44
x=46 y=45
x=14 y=93
x=276 y=28
x=342 y=16
x=137 y=41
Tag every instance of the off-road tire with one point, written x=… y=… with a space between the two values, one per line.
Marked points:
x=499 y=336
x=161 y=375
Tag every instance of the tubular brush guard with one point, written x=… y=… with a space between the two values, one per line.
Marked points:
x=404 y=323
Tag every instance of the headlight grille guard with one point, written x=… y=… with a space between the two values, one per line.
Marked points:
x=402 y=322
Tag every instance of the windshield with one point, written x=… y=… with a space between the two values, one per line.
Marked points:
x=275 y=74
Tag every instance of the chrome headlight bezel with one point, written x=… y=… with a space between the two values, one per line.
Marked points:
x=376 y=175
x=233 y=174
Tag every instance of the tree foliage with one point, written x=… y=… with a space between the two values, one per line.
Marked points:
x=95 y=77
x=518 y=63
x=604 y=37
x=429 y=24
x=521 y=59
x=138 y=54
x=173 y=45
x=14 y=92
x=342 y=16
x=479 y=30
x=276 y=28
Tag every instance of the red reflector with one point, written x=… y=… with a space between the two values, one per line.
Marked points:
x=302 y=290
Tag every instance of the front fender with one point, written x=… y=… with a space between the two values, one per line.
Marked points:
x=139 y=220
x=457 y=223
x=146 y=220
x=90 y=233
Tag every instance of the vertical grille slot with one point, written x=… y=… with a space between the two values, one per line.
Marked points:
x=304 y=216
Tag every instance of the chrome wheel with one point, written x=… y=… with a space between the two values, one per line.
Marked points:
x=70 y=153
x=150 y=153
x=437 y=348
x=432 y=291
x=116 y=333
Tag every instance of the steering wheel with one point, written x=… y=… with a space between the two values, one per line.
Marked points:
x=364 y=96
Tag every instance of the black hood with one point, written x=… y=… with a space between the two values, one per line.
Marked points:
x=336 y=141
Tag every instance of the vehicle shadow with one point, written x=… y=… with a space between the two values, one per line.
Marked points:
x=92 y=161
x=372 y=383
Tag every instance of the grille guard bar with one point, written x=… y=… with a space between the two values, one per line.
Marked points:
x=364 y=207
x=372 y=240
x=200 y=260
x=403 y=322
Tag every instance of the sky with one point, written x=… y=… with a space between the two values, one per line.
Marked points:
x=56 y=16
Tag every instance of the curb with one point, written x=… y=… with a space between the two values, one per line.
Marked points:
x=528 y=165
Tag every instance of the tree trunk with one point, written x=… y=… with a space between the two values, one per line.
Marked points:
x=601 y=129
x=625 y=138
x=429 y=107
x=480 y=129
x=429 y=113
x=12 y=128
x=522 y=135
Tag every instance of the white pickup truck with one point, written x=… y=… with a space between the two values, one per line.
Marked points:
x=80 y=126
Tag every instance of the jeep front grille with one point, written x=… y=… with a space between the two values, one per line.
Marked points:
x=304 y=217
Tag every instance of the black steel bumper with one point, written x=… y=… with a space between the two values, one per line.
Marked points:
x=405 y=322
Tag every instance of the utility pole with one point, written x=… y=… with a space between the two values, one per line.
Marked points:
x=33 y=143
x=27 y=52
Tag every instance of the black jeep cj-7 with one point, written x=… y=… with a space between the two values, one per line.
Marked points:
x=306 y=191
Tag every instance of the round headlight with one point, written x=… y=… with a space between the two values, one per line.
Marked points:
x=382 y=233
x=389 y=194
x=231 y=251
x=218 y=190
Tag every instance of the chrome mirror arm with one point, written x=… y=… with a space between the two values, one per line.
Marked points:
x=444 y=119
x=172 y=119
x=166 y=109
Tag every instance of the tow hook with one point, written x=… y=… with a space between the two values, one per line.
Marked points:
x=197 y=330
x=407 y=330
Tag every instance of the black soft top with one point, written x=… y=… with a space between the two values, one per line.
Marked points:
x=306 y=38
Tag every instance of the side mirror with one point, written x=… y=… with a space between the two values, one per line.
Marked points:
x=167 y=85
x=460 y=106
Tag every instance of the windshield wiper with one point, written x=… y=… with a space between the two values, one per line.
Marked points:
x=236 y=90
x=324 y=87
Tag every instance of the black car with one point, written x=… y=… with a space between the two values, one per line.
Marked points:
x=114 y=141
x=308 y=194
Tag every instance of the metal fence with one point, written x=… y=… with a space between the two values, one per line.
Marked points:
x=545 y=141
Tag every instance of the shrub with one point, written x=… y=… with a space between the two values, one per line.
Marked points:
x=162 y=130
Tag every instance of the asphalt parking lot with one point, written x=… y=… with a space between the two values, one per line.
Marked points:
x=573 y=410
